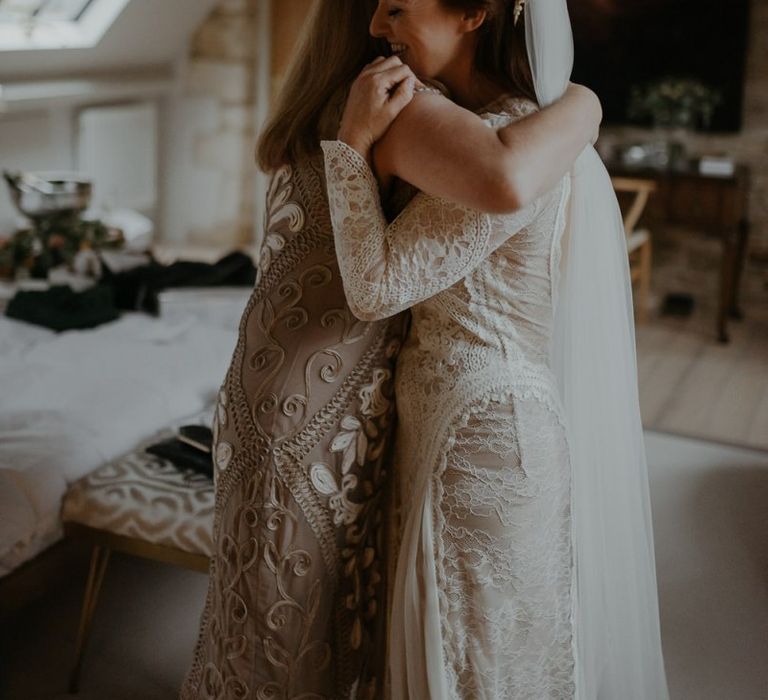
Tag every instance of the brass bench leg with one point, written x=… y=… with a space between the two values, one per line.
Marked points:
x=99 y=561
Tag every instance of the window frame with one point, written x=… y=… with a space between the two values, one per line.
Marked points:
x=47 y=34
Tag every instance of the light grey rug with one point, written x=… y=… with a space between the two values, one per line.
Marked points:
x=711 y=524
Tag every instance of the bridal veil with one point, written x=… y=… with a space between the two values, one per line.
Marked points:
x=618 y=644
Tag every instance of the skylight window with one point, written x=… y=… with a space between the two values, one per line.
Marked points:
x=31 y=11
x=55 y=24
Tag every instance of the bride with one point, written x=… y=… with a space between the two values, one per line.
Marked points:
x=524 y=547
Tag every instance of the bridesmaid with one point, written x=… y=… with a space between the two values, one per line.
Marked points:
x=296 y=601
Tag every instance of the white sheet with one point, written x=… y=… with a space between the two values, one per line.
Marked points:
x=71 y=401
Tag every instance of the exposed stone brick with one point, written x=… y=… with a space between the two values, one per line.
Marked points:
x=229 y=82
x=227 y=37
x=223 y=65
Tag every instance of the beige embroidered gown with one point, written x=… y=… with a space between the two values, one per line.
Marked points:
x=482 y=595
x=301 y=432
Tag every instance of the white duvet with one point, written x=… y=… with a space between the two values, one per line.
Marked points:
x=71 y=401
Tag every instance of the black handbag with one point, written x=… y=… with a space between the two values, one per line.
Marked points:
x=190 y=449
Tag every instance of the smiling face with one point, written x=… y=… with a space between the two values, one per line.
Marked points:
x=427 y=36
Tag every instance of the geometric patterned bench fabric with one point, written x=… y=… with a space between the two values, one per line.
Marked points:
x=145 y=497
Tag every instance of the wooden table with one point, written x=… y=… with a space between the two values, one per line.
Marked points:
x=714 y=204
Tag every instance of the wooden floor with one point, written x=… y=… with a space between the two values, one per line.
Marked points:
x=692 y=385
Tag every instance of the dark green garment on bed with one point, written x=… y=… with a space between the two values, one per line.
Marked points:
x=60 y=308
x=137 y=289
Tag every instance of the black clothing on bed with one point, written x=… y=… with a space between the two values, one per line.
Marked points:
x=137 y=289
x=60 y=308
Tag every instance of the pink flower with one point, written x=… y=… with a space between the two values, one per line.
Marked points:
x=56 y=241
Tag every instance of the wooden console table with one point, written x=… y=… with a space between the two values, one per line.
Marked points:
x=716 y=205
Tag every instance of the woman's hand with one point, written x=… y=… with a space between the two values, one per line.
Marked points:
x=377 y=96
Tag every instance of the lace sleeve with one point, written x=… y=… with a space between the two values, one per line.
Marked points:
x=430 y=246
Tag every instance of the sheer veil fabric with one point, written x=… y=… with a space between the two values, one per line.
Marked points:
x=618 y=641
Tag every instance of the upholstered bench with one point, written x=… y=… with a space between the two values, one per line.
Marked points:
x=142 y=505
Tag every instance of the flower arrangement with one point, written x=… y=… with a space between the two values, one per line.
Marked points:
x=674 y=102
x=51 y=242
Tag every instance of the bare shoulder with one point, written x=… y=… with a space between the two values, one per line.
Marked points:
x=431 y=117
x=427 y=126
x=428 y=107
x=451 y=152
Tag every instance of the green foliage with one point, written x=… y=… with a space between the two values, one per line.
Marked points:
x=674 y=102
x=51 y=242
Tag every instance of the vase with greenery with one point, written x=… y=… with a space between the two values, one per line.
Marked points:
x=674 y=103
x=674 y=107
x=53 y=241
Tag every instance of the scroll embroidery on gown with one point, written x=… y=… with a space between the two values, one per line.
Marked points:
x=482 y=594
x=302 y=429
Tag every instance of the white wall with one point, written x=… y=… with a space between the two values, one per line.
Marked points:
x=193 y=195
x=207 y=127
x=117 y=147
x=40 y=140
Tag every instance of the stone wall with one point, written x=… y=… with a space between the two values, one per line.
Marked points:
x=220 y=79
x=686 y=261
x=220 y=92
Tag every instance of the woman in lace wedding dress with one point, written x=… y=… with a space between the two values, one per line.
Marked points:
x=481 y=450
x=296 y=601
x=484 y=598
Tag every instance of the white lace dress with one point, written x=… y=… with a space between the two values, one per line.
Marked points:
x=482 y=599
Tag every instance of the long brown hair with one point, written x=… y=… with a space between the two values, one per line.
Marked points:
x=333 y=49
x=502 y=55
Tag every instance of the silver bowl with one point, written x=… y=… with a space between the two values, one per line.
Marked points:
x=44 y=194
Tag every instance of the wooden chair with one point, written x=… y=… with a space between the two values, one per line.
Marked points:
x=639 y=244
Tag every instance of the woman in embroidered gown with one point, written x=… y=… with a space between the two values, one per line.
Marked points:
x=303 y=422
x=483 y=599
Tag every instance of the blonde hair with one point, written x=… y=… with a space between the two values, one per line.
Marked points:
x=334 y=47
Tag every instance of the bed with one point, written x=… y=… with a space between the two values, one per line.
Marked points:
x=70 y=402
